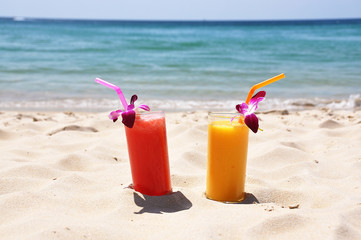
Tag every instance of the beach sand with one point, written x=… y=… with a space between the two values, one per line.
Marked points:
x=65 y=175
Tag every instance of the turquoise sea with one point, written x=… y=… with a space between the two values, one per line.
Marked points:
x=173 y=65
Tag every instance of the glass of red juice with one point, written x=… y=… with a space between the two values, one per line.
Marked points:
x=148 y=154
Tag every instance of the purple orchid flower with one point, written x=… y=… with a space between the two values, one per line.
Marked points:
x=128 y=116
x=251 y=119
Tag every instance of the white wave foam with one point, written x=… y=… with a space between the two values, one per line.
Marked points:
x=95 y=105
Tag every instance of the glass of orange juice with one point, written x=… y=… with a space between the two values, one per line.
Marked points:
x=227 y=157
x=148 y=154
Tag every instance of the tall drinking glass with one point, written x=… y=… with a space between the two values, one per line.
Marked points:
x=227 y=157
x=148 y=154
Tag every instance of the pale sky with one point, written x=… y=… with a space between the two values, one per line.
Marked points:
x=182 y=9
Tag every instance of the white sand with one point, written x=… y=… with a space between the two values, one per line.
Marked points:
x=65 y=176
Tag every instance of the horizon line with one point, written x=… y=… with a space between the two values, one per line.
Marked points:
x=24 y=18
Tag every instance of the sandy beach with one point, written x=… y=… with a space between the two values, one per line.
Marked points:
x=65 y=175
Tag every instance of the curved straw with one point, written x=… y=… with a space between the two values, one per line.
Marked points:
x=116 y=88
x=262 y=84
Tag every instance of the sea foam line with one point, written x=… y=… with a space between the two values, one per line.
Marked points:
x=353 y=102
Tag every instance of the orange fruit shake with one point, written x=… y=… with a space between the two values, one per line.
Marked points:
x=227 y=158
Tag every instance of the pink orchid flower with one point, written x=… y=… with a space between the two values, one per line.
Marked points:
x=128 y=116
x=250 y=118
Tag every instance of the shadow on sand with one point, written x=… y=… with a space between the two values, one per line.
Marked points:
x=170 y=203
x=249 y=199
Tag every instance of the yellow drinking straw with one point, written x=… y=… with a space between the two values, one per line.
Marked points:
x=262 y=84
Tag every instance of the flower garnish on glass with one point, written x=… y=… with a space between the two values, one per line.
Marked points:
x=248 y=108
x=128 y=114
x=250 y=118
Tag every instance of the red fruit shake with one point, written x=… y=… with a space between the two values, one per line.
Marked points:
x=148 y=154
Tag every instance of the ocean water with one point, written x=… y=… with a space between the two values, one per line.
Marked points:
x=173 y=66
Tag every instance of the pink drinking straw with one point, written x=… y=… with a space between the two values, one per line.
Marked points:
x=116 y=88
